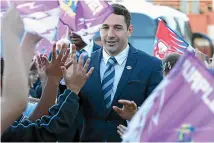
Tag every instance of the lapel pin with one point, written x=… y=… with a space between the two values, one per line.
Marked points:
x=128 y=67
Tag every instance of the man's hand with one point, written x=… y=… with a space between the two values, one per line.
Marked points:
x=128 y=110
x=121 y=130
x=76 y=75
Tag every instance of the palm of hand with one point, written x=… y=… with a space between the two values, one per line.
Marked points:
x=73 y=76
x=42 y=71
x=127 y=112
x=53 y=70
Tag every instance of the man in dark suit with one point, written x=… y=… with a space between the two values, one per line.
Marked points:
x=120 y=72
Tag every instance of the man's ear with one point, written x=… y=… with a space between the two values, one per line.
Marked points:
x=130 y=30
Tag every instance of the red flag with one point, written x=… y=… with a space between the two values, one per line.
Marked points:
x=167 y=41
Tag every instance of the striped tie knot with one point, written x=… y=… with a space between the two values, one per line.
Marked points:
x=112 y=61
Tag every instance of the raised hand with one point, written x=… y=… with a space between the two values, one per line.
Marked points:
x=15 y=79
x=53 y=69
x=128 y=110
x=42 y=64
x=76 y=75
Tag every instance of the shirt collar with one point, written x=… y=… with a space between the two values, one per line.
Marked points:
x=121 y=57
x=89 y=48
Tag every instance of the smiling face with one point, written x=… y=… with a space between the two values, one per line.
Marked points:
x=115 y=30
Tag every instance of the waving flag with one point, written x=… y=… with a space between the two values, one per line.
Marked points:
x=167 y=41
x=39 y=17
x=84 y=17
x=181 y=108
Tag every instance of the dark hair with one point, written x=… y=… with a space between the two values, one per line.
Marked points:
x=121 y=10
x=169 y=61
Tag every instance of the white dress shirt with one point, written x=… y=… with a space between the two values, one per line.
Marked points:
x=119 y=67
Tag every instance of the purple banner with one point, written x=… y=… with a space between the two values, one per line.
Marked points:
x=181 y=108
x=39 y=17
x=84 y=17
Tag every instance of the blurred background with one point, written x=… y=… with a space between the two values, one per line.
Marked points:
x=193 y=20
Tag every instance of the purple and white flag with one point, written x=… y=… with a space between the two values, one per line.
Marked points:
x=181 y=108
x=84 y=17
x=39 y=17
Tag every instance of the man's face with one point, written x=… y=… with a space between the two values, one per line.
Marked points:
x=77 y=40
x=114 y=34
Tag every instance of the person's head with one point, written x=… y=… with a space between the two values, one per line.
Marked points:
x=33 y=74
x=116 y=29
x=77 y=40
x=169 y=61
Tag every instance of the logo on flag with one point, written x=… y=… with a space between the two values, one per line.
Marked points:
x=69 y=6
x=185 y=133
x=167 y=41
x=39 y=17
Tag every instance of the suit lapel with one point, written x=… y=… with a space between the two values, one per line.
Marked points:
x=131 y=62
x=96 y=47
x=97 y=99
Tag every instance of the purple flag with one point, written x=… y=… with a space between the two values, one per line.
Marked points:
x=39 y=17
x=84 y=17
x=181 y=108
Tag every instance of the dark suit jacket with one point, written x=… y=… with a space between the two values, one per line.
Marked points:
x=136 y=84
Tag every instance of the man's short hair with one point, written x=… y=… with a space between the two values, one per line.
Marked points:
x=122 y=10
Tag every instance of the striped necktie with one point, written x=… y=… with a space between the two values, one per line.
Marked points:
x=108 y=80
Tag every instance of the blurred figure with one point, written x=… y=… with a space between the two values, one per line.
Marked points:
x=14 y=86
x=33 y=79
x=169 y=62
x=61 y=115
x=73 y=134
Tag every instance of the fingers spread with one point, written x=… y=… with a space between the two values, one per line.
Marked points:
x=122 y=128
x=125 y=102
x=73 y=49
x=118 y=110
x=81 y=61
x=87 y=64
x=54 y=52
x=64 y=71
x=38 y=60
x=65 y=56
x=68 y=64
x=119 y=132
x=89 y=72
x=62 y=51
